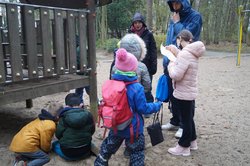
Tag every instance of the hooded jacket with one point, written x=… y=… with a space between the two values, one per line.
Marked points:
x=75 y=128
x=36 y=135
x=136 y=46
x=137 y=102
x=150 y=59
x=184 y=71
x=189 y=19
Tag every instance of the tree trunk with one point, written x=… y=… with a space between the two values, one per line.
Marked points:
x=104 y=24
x=150 y=14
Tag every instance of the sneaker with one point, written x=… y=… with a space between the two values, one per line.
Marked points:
x=178 y=134
x=179 y=151
x=193 y=145
x=169 y=126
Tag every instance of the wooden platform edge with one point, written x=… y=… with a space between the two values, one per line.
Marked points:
x=21 y=92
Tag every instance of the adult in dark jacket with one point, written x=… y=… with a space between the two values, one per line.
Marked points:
x=184 y=17
x=139 y=27
x=74 y=130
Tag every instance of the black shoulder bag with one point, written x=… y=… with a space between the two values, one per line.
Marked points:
x=154 y=130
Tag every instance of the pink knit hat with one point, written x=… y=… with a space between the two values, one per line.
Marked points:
x=125 y=61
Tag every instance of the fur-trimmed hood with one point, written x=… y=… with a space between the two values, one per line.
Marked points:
x=134 y=45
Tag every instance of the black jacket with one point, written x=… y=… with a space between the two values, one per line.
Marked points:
x=150 y=59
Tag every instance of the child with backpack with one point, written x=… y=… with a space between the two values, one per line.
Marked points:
x=126 y=65
x=74 y=131
x=133 y=44
x=33 y=142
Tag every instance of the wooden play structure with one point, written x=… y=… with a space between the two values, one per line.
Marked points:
x=38 y=41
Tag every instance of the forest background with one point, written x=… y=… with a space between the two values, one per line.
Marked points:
x=220 y=30
x=220 y=22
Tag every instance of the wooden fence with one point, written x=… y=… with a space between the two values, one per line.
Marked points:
x=42 y=51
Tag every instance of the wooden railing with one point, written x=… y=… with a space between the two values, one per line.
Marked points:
x=38 y=51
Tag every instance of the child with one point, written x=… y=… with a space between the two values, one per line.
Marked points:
x=184 y=75
x=32 y=143
x=126 y=65
x=133 y=44
x=74 y=130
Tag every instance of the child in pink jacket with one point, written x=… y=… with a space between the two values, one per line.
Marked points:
x=184 y=73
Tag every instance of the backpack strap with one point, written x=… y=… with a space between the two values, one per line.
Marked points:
x=137 y=119
x=131 y=129
x=128 y=83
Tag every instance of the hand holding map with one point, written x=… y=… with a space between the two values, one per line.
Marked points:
x=167 y=53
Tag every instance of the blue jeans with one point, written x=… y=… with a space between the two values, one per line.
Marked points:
x=37 y=158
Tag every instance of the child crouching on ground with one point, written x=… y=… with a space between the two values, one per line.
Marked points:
x=32 y=143
x=126 y=65
x=74 y=131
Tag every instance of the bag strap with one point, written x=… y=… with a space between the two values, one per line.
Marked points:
x=128 y=83
x=156 y=116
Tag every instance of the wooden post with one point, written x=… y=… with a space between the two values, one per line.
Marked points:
x=92 y=56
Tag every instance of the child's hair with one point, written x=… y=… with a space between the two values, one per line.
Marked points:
x=54 y=108
x=186 y=35
x=72 y=100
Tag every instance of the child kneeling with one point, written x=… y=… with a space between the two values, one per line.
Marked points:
x=32 y=143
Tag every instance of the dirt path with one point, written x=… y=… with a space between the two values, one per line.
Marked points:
x=222 y=117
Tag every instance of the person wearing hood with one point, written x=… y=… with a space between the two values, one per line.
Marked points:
x=74 y=131
x=183 y=17
x=184 y=73
x=139 y=27
x=133 y=44
x=126 y=65
x=33 y=142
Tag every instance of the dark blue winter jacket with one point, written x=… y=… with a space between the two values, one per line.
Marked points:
x=189 y=19
x=138 y=104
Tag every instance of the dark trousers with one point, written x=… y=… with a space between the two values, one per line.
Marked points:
x=149 y=96
x=79 y=92
x=112 y=143
x=186 y=111
x=176 y=118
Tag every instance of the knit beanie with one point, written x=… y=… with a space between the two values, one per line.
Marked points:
x=125 y=61
x=134 y=45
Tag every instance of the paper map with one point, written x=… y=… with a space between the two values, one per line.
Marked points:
x=167 y=53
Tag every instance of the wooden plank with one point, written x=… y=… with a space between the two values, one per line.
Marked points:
x=59 y=42
x=92 y=57
x=2 y=65
x=71 y=27
x=83 y=40
x=31 y=89
x=46 y=42
x=30 y=40
x=14 y=40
